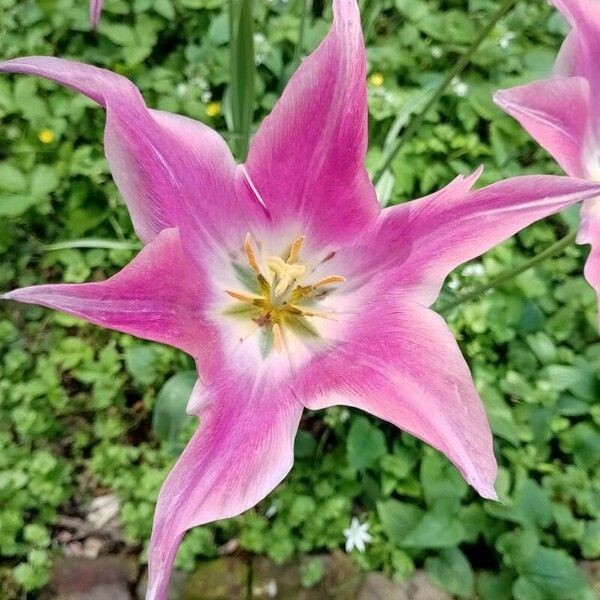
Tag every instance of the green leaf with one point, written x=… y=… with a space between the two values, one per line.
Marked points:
x=44 y=181
x=518 y=546
x=169 y=417
x=140 y=362
x=12 y=179
x=549 y=574
x=495 y=586
x=440 y=479
x=92 y=243
x=436 y=529
x=583 y=442
x=398 y=518
x=590 y=544
x=451 y=571
x=242 y=71
x=365 y=444
x=304 y=445
x=12 y=205
x=530 y=506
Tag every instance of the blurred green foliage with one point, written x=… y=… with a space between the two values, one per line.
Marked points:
x=77 y=402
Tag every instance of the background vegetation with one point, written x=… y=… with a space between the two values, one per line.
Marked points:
x=77 y=402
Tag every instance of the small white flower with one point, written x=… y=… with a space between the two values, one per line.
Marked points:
x=459 y=87
x=506 y=39
x=206 y=96
x=181 y=89
x=474 y=270
x=436 y=52
x=454 y=284
x=271 y=511
x=357 y=535
x=200 y=82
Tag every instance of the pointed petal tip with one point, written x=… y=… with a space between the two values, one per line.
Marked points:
x=498 y=96
x=12 y=295
x=484 y=486
x=488 y=493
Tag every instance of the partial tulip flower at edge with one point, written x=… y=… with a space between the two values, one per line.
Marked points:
x=285 y=280
x=562 y=114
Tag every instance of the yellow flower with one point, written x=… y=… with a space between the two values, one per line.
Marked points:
x=376 y=79
x=46 y=136
x=213 y=109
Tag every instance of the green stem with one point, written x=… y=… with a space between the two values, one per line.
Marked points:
x=456 y=70
x=306 y=6
x=508 y=275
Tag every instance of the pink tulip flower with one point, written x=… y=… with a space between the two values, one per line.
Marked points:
x=563 y=115
x=285 y=280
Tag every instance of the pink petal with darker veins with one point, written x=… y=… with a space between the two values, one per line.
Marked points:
x=555 y=112
x=171 y=170
x=307 y=158
x=157 y=297
x=400 y=362
x=417 y=244
x=582 y=46
x=242 y=450
x=589 y=233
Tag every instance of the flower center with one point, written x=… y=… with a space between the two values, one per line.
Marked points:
x=278 y=299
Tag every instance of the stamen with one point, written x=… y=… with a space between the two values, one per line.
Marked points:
x=243 y=296
x=295 y=249
x=307 y=312
x=331 y=280
x=277 y=338
x=250 y=254
x=280 y=299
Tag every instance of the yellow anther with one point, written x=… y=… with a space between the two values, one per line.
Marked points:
x=295 y=249
x=307 y=312
x=331 y=280
x=250 y=256
x=277 y=338
x=243 y=296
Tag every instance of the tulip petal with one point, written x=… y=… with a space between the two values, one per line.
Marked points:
x=589 y=233
x=582 y=47
x=306 y=160
x=418 y=243
x=400 y=362
x=555 y=112
x=157 y=297
x=95 y=11
x=242 y=450
x=172 y=171
x=567 y=59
